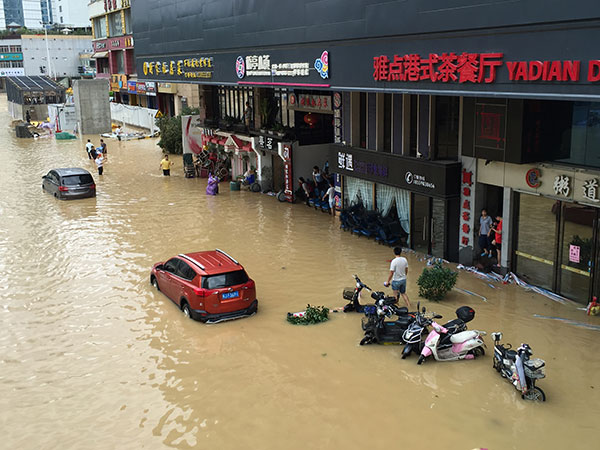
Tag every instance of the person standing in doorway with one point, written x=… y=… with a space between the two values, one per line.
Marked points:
x=485 y=224
x=89 y=147
x=398 y=274
x=165 y=165
x=99 y=162
x=498 y=238
x=331 y=194
x=248 y=116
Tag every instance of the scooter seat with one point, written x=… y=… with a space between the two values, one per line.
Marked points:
x=511 y=354
x=463 y=336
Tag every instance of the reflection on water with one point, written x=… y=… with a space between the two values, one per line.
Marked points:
x=92 y=357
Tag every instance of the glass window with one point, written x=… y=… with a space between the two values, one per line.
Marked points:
x=185 y=271
x=115 y=24
x=224 y=280
x=128 y=29
x=362 y=105
x=100 y=27
x=536 y=239
x=413 y=111
x=15 y=49
x=171 y=266
x=446 y=127
x=119 y=61
x=387 y=123
x=74 y=180
x=4 y=48
x=232 y=101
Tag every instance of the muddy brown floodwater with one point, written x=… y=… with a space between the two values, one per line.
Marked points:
x=92 y=357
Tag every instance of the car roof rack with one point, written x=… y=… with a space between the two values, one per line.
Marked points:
x=193 y=261
x=223 y=253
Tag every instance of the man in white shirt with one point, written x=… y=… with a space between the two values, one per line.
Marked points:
x=398 y=273
x=89 y=147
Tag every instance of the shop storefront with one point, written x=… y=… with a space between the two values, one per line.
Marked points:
x=422 y=195
x=555 y=210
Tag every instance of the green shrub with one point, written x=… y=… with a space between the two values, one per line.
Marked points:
x=436 y=282
x=312 y=315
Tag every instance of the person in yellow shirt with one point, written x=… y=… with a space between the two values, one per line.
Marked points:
x=165 y=165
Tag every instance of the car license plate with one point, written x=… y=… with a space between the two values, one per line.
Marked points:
x=228 y=295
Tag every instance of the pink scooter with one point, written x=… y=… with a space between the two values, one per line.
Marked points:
x=452 y=347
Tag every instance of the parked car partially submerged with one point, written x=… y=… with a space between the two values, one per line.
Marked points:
x=208 y=286
x=69 y=183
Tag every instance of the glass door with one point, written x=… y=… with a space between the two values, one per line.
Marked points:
x=576 y=251
x=421 y=224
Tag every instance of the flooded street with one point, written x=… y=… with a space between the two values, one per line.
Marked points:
x=91 y=356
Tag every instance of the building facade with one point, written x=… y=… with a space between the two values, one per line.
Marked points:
x=439 y=109
x=69 y=55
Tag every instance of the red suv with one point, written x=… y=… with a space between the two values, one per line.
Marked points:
x=208 y=286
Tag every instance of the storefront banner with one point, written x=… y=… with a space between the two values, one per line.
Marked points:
x=11 y=56
x=131 y=87
x=167 y=88
x=118 y=82
x=437 y=179
x=141 y=87
x=559 y=182
x=462 y=63
x=308 y=102
x=150 y=88
x=18 y=72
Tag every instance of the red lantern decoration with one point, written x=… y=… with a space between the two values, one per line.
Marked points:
x=310 y=119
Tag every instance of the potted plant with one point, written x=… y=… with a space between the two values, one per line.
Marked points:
x=279 y=130
x=436 y=282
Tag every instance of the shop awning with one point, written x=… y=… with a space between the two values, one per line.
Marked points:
x=100 y=55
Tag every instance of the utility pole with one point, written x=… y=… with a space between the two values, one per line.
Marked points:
x=48 y=69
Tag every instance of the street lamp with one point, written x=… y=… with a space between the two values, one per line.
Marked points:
x=45 y=25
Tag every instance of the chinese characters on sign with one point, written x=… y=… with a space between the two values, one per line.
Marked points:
x=574 y=253
x=337 y=117
x=261 y=66
x=466 y=208
x=345 y=161
x=476 y=68
x=444 y=68
x=184 y=68
x=562 y=185
x=310 y=102
x=287 y=168
x=590 y=190
x=267 y=143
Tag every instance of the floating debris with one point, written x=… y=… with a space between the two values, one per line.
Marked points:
x=589 y=326
x=471 y=293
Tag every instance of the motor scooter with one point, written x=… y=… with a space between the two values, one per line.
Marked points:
x=354 y=296
x=519 y=369
x=416 y=333
x=377 y=329
x=445 y=346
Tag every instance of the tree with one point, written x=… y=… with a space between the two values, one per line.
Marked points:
x=170 y=131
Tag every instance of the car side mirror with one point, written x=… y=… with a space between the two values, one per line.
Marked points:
x=44 y=177
x=159 y=267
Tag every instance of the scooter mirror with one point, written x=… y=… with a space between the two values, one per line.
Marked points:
x=437 y=316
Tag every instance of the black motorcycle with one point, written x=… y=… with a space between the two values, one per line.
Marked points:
x=377 y=329
x=519 y=368
x=353 y=296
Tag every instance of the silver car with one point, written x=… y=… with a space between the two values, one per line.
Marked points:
x=69 y=183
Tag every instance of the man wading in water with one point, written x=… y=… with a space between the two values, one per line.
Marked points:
x=398 y=273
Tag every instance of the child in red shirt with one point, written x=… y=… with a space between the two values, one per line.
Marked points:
x=498 y=237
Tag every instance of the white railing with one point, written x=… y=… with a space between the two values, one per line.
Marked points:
x=134 y=115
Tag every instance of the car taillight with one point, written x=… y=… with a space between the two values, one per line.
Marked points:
x=63 y=188
x=199 y=292
x=93 y=186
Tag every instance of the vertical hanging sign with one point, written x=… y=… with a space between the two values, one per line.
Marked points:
x=467 y=196
x=287 y=171
x=337 y=117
